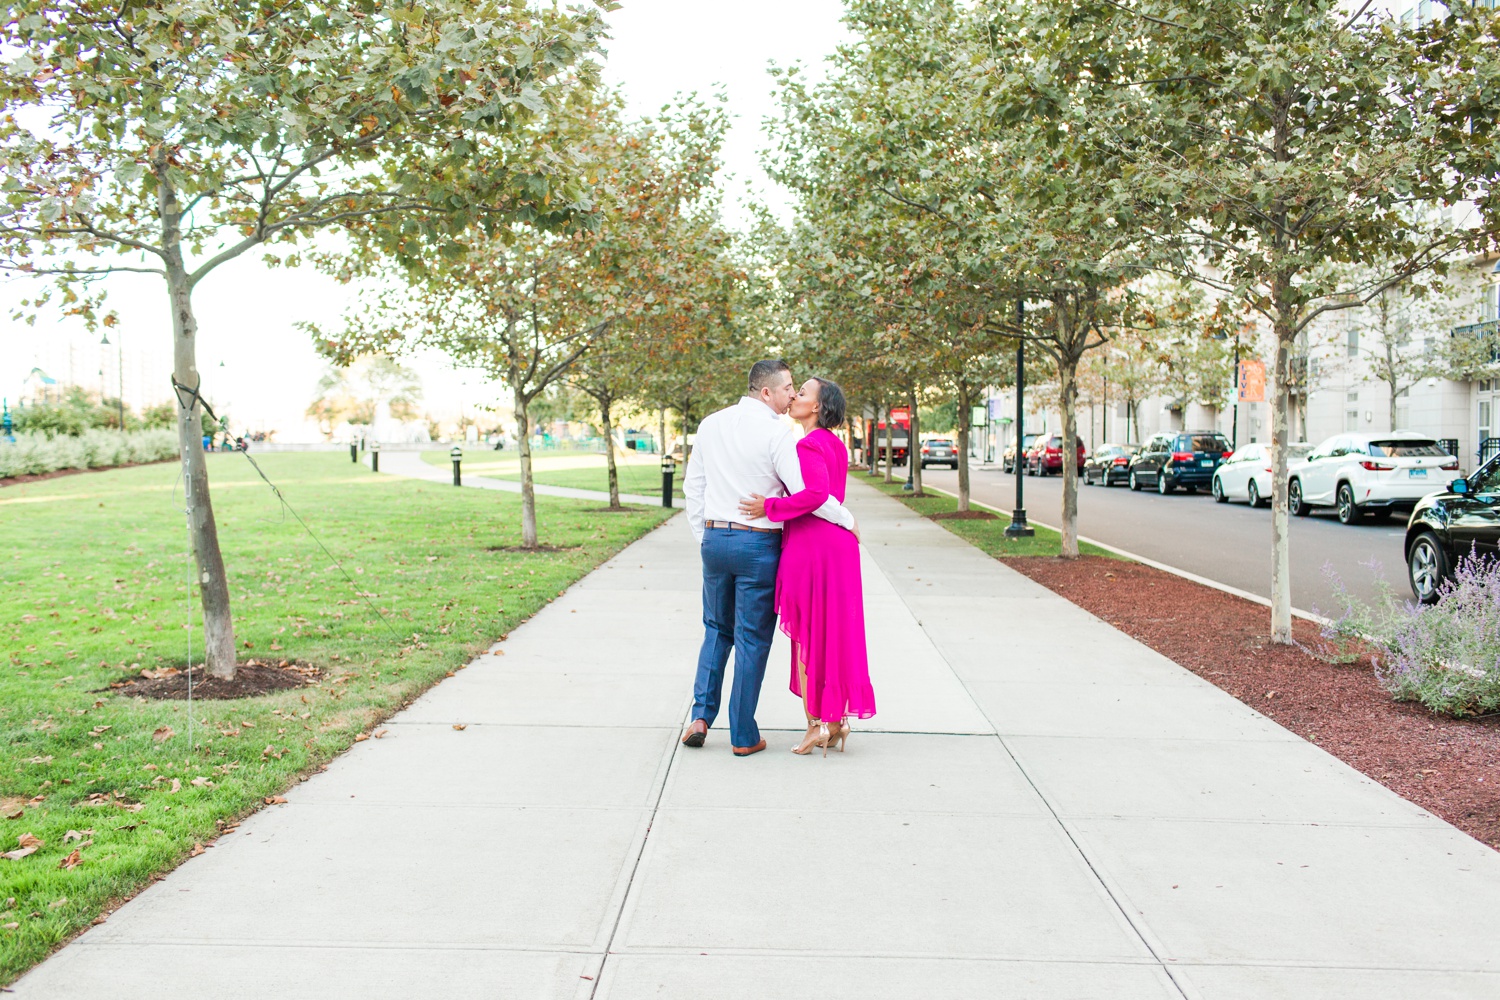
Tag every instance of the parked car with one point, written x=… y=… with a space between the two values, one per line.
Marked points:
x=1178 y=458
x=939 y=451
x=1444 y=527
x=1246 y=474
x=1008 y=457
x=1367 y=474
x=1045 y=458
x=1109 y=464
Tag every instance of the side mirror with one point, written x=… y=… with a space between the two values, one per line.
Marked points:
x=1460 y=486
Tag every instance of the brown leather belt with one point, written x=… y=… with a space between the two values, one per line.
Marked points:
x=737 y=526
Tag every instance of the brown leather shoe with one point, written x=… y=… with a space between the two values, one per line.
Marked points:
x=696 y=734
x=747 y=751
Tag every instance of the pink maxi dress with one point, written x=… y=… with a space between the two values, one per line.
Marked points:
x=818 y=591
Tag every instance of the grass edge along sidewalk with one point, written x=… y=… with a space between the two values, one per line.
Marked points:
x=95 y=591
x=985 y=534
x=580 y=470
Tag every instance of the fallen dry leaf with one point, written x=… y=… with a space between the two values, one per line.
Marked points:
x=10 y=926
x=57 y=903
x=361 y=737
x=77 y=835
x=247 y=724
x=460 y=725
x=156 y=675
x=29 y=840
x=275 y=800
x=18 y=853
x=72 y=860
x=16 y=813
x=380 y=733
x=201 y=782
x=176 y=786
x=39 y=760
x=163 y=733
x=197 y=850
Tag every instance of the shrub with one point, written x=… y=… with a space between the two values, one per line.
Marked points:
x=1445 y=655
x=36 y=453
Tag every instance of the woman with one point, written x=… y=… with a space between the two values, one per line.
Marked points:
x=818 y=593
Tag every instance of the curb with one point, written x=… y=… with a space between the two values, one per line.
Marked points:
x=1194 y=577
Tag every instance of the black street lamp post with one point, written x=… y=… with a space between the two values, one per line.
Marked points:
x=1018 y=528
x=457 y=455
x=668 y=469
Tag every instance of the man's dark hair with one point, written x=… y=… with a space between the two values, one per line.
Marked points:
x=830 y=403
x=764 y=373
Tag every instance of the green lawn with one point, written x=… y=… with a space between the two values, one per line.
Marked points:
x=579 y=470
x=95 y=588
x=988 y=536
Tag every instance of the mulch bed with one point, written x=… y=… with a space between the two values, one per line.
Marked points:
x=1450 y=767
x=36 y=477
x=250 y=679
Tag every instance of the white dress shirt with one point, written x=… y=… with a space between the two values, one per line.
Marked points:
x=743 y=449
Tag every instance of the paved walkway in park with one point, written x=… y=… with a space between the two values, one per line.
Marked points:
x=1043 y=809
x=411 y=465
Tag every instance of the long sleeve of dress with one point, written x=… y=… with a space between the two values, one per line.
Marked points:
x=814 y=492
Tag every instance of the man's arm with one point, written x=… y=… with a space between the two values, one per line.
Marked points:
x=789 y=471
x=694 y=487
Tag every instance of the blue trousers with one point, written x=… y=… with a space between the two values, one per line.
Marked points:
x=739 y=613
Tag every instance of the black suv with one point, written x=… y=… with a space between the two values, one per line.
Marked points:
x=1446 y=526
x=1184 y=458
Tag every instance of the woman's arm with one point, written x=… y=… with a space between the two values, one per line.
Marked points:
x=814 y=492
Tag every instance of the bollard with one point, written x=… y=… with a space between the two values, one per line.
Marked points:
x=354 y=452
x=457 y=455
x=375 y=456
x=668 y=467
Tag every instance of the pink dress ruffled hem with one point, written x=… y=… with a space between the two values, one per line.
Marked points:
x=818 y=590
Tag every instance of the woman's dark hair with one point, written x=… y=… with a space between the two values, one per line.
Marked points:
x=830 y=403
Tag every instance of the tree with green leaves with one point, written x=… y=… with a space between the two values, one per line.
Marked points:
x=527 y=306
x=171 y=138
x=1298 y=158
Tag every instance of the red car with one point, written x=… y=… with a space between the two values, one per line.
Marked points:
x=1045 y=458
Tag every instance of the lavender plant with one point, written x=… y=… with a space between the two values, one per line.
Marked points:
x=1446 y=655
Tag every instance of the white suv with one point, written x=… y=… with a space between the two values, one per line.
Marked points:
x=1360 y=474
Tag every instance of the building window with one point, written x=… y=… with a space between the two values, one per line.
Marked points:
x=1351 y=420
x=1352 y=397
x=1491 y=303
x=1486 y=411
x=1353 y=348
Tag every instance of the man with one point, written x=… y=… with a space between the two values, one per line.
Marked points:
x=741 y=450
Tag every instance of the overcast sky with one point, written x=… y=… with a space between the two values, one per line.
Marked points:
x=255 y=363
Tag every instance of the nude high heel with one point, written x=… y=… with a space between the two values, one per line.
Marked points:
x=817 y=736
x=839 y=736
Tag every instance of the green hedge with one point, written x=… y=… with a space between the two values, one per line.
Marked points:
x=33 y=454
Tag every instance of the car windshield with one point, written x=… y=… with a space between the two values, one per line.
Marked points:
x=1296 y=451
x=941 y=441
x=1414 y=448
x=1202 y=442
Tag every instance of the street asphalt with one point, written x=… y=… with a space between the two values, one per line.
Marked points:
x=1042 y=808
x=1227 y=543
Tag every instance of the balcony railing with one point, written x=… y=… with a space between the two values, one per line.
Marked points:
x=1486 y=329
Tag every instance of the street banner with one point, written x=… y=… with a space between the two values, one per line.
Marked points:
x=1252 y=382
x=978 y=416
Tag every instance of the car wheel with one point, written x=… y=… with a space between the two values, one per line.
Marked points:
x=1218 y=490
x=1349 y=512
x=1294 y=500
x=1135 y=483
x=1254 y=491
x=1163 y=484
x=1426 y=567
x=1104 y=479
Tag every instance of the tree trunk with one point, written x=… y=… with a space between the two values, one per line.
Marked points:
x=1281 y=554
x=528 y=488
x=963 y=445
x=914 y=448
x=661 y=418
x=890 y=456
x=1067 y=398
x=609 y=452
x=872 y=449
x=213 y=585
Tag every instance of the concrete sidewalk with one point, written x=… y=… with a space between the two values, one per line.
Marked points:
x=1042 y=809
x=411 y=465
